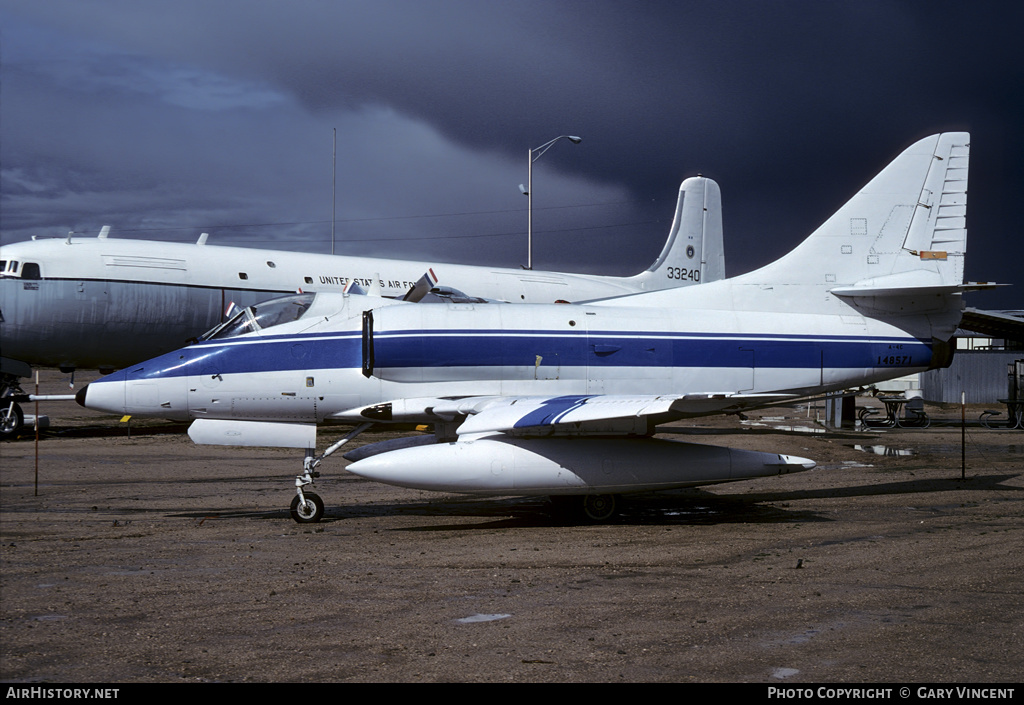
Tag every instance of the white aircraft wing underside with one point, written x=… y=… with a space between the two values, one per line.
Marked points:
x=542 y=414
x=520 y=414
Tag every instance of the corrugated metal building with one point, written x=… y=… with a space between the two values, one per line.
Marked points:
x=984 y=375
x=983 y=368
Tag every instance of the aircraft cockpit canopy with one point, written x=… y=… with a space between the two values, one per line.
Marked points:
x=261 y=316
x=448 y=295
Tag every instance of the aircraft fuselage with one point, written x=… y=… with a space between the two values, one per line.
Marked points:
x=401 y=351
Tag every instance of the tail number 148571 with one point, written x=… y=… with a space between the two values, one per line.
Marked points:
x=894 y=360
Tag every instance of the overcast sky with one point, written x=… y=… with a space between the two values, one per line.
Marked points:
x=168 y=119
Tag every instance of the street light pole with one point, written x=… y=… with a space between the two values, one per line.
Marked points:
x=334 y=185
x=529 y=191
x=529 y=214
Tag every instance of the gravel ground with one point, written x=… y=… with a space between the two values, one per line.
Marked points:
x=140 y=557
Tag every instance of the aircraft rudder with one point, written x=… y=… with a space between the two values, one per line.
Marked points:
x=713 y=244
x=940 y=224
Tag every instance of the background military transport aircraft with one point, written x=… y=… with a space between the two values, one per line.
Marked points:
x=562 y=400
x=103 y=303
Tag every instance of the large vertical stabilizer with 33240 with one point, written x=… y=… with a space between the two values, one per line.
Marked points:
x=695 y=249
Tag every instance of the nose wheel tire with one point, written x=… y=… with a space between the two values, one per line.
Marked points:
x=308 y=511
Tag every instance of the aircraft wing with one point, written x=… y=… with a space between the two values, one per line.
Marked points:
x=515 y=414
x=542 y=414
x=538 y=413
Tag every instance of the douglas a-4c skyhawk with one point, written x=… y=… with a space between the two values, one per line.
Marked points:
x=562 y=399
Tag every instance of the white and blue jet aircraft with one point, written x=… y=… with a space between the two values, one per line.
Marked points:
x=562 y=400
x=104 y=303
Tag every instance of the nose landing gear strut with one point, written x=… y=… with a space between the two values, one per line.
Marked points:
x=307 y=507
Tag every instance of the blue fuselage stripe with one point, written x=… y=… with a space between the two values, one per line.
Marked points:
x=473 y=348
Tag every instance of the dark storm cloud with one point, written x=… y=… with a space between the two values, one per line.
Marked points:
x=217 y=112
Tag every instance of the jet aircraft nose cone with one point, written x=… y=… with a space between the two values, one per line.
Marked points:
x=105 y=394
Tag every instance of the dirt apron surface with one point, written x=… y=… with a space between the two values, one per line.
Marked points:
x=132 y=555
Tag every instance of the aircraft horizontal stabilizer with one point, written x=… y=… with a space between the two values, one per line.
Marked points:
x=937 y=289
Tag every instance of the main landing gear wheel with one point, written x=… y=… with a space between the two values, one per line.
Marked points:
x=591 y=508
x=599 y=507
x=11 y=420
x=308 y=511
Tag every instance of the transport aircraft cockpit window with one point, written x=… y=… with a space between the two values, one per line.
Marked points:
x=29 y=270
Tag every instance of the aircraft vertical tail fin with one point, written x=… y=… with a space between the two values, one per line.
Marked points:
x=905 y=230
x=694 y=252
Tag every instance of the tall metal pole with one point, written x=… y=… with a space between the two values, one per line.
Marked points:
x=529 y=216
x=334 y=184
x=529 y=191
x=963 y=435
x=35 y=491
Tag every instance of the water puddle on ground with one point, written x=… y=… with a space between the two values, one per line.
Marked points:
x=781 y=673
x=775 y=426
x=472 y=619
x=883 y=450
